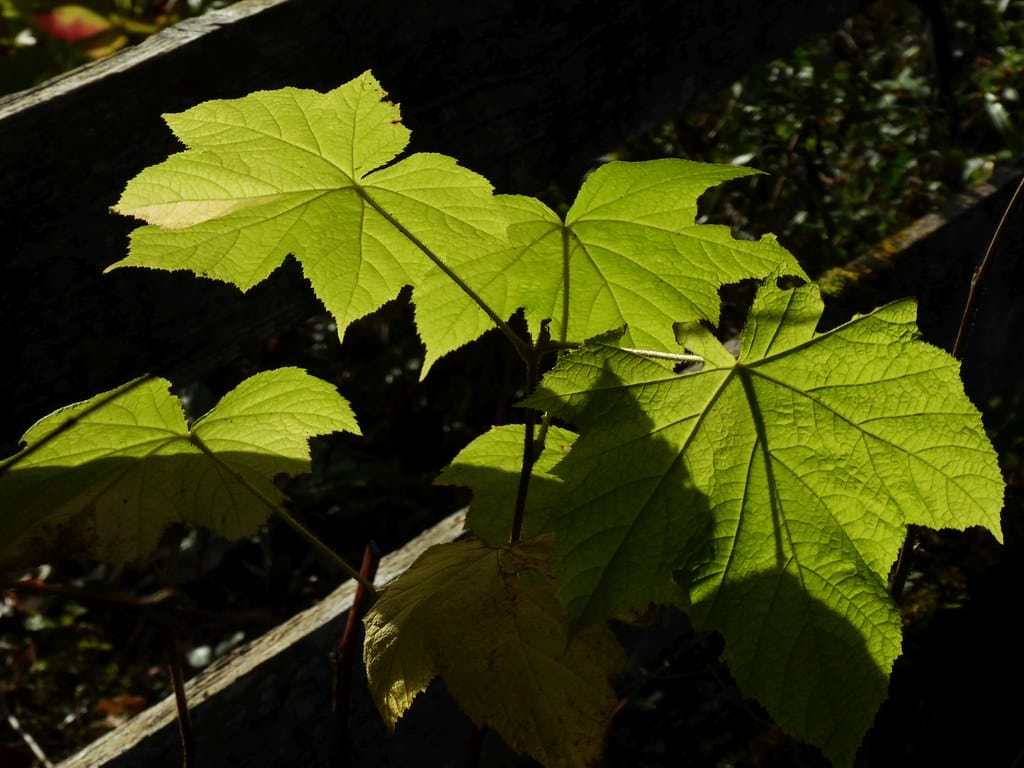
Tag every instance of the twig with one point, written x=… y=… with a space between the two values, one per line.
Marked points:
x=188 y=744
x=983 y=272
x=343 y=659
x=529 y=454
x=31 y=743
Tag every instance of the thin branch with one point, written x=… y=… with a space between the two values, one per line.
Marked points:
x=188 y=742
x=343 y=659
x=524 y=476
x=983 y=272
x=30 y=742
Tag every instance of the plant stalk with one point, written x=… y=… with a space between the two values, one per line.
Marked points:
x=524 y=476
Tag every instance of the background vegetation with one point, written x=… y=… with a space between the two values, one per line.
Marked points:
x=860 y=131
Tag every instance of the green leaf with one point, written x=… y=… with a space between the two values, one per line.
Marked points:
x=299 y=172
x=631 y=253
x=487 y=621
x=106 y=477
x=779 y=487
x=490 y=466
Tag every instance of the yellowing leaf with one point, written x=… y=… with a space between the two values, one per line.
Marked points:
x=107 y=477
x=487 y=621
x=299 y=172
x=779 y=487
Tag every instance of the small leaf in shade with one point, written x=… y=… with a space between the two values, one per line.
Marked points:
x=490 y=465
x=487 y=622
x=106 y=477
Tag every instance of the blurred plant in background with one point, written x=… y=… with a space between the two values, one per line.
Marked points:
x=864 y=130
x=43 y=38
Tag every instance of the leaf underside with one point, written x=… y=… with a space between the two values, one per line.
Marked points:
x=106 y=477
x=778 y=487
x=315 y=175
x=490 y=467
x=487 y=622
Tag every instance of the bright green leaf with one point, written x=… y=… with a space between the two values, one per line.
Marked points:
x=779 y=486
x=487 y=621
x=490 y=467
x=107 y=476
x=631 y=253
x=299 y=172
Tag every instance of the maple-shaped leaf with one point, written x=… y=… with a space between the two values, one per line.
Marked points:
x=779 y=487
x=300 y=172
x=490 y=467
x=630 y=252
x=487 y=622
x=106 y=477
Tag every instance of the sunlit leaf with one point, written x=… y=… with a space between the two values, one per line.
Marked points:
x=779 y=487
x=106 y=477
x=630 y=252
x=300 y=172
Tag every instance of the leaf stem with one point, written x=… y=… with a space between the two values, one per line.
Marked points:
x=673 y=356
x=285 y=517
x=529 y=456
x=521 y=346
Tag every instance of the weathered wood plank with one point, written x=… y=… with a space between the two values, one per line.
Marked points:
x=268 y=703
x=522 y=92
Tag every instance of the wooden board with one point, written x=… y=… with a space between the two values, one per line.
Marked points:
x=268 y=703
x=524 y=92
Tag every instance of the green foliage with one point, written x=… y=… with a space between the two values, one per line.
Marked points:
x=490 y=467
x=780 y=486
x=857 y=131
x=774 y=488
x=107 y=477
x=633 y=254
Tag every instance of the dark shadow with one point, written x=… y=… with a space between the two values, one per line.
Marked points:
x=651 y=521
x=132 y=519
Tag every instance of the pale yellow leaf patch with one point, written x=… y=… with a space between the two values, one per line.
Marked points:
x=487 y=622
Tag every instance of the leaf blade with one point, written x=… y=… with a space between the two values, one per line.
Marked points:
x=107 y=476
x=802 y=461
x=487 y=622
